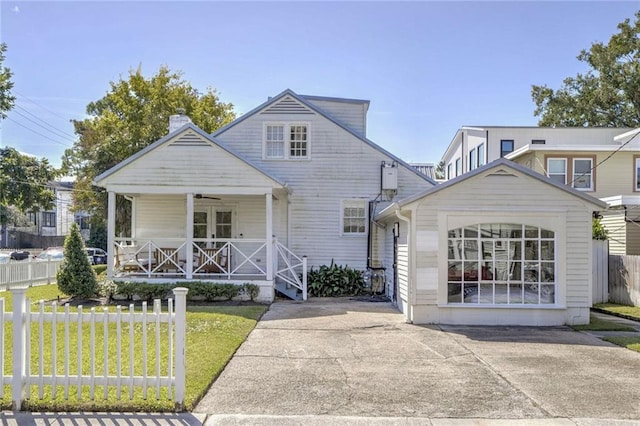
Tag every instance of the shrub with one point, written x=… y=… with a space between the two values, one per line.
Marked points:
x=75 y=276
x=335 y=280
x=99 y=269
x=198 y=290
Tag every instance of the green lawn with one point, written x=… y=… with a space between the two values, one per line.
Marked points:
x=632 y=343
x=213 y=335
x=631 y=311
x=597 y=324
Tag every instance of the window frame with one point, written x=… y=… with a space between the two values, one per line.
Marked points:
x=49 y=219
x=458 y=163
x=566 y=168
x=531 y=276
x=502 y=150
x=473 y=159
x=288 y=142
x=449 y=170
x=569 y=168
x=591 y=173
x=636 y=164
x=480 y=156
x=354 y=203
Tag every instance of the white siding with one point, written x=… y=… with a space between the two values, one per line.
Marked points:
x=351 y=114
x=341 y=166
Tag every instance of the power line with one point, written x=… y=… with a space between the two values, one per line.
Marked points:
x=56 y=133
x=62 y=132
x=38 y=133
x=40 y=105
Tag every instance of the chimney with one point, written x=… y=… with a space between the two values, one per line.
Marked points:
x=178 y=120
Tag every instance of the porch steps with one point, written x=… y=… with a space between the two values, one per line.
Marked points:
x=292 y=292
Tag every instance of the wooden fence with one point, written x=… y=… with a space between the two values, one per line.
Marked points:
x=94 y=366
x=624 y=279
x=600 y=271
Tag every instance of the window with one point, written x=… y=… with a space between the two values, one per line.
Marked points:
x=582 y=174
x=480 y=154
x=557 y=170
x=354 y=217
x=298 y=142
x=506 y=146
x=33 y=218
x=538 y=141
x=49 y=219
x=286 y=141
x=497 y=263
x=449 y=171
x=458 y=167
x=83 y=222
x=472 y=159
x=274 y=144
x=637 y=180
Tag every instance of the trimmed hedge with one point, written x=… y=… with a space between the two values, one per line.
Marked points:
x=198 y=290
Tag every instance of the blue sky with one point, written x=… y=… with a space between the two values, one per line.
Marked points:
x=428 y=68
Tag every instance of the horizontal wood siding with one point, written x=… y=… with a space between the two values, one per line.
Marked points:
x=614 y=222
x=353 y=115
x=633 y=238
x=403 y=263
x=528 y=195
x=341 y=167
x=189 y=164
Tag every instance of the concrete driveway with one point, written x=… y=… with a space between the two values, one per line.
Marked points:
x=342 y=359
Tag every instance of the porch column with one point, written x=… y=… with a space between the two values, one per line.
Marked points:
x=189 y=248
x=269 y=235
x=111 y=231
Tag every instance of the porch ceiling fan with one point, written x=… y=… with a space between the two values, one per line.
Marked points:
x=206 y=197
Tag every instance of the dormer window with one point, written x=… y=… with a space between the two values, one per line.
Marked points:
x=284 y=141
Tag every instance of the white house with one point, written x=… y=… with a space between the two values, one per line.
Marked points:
x=294 y=177
x=499 y=245
x=602 y=162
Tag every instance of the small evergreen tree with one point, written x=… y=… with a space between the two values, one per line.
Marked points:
x=598 y=231
x=76 y=277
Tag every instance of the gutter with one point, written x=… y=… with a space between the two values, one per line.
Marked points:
x=410 y=262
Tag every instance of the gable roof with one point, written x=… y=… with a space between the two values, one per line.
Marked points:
x=172 y=135
x=499 y=165
x=308 y=105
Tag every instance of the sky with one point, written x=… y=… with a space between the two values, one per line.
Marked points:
x=428 y=68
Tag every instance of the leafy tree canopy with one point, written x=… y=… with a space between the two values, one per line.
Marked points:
x=607 y=95
x=24 y=183
x=6 y=99
x=132 y=115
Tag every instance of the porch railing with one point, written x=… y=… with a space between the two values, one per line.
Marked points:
x=290 y=268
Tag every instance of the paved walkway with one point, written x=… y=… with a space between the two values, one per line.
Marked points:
x=342 y=362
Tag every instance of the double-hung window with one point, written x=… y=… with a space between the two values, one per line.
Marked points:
x=582 y=174
x=49 y=219
x=286 y=141
x=354 y=217
x=557 y=170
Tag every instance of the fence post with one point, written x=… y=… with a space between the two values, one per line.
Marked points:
x=304 y=277
x=48 y=270
x=180 y=294
x=19 y=346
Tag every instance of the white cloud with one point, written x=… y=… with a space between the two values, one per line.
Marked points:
x=15 y=9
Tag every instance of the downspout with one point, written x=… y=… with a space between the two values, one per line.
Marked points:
x=409 y=260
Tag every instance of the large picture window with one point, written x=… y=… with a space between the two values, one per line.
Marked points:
x=497 y=263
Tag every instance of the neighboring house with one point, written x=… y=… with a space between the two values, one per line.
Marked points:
x=602 y=162
x=49 y=227
x=427 y=169
x=498 y=245
x=294 y=177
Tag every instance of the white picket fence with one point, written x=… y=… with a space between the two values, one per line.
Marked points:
x=31 y=369
x=30 y=272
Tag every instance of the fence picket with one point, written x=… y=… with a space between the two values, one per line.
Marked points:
x=23 y=379
x=624 y=279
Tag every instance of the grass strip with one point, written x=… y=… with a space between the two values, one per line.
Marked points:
x=632 y=343
x=597 y=324
x=214 y=333
x=631 y=312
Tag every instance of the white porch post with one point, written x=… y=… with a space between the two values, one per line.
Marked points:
x=189 y=257
x=269 y=235
x=111 y=231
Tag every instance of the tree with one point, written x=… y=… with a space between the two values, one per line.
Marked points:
x=6 y=98
x=24 y=183
x=132 y=115
x=607 y=95
x=76 y=277
x=598 y=231
x=439 y=172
